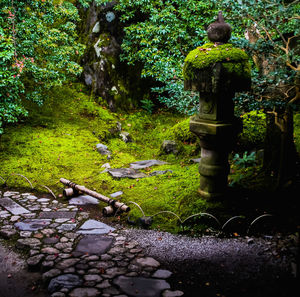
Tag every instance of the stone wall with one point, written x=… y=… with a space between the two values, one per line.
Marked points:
x=102 y=33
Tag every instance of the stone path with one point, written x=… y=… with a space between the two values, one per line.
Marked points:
x=78 y=256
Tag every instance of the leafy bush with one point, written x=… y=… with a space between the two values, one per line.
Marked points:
x=38 y=50
x=254 y=128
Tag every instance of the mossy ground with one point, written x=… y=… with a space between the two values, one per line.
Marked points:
x=59 y=140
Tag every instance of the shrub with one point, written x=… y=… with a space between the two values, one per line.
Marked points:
x=254 y=128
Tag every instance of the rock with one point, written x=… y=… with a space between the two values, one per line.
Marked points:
x=170 y=147
x=96 y=28
x=116 y=194
x=161 y=273
x=169 y=293
x=114 y=271
x=83 y=200
x=58 y=215
x=92 y=278
x=84 y=292
x=50 y=251
x=197 y=160
x=146 y=163
x=12 y=206
x=7 y=233
x=41 y=200
x=66 y=263
x=147 y=261
x=66 y=227
x=140 y=286
x=28 y=243
x=125 y=137
x=103 y=285
x=160 y=172
x=50 y=274
x=46 y=265
x=94 y=227
x=33 y=224
x=103 y=149
x=68 y=281
x=126 y=173
x=58 y=294
x=14 y=218
x=33 y=262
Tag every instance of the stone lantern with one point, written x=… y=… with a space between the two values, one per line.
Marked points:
x=217 y=71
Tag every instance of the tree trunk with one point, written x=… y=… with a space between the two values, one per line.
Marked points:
x=280 y=152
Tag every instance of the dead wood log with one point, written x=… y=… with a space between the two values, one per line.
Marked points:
x=115 y=204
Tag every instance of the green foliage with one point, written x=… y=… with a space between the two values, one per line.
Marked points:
x=245 y=160
x=38 y=51
x=254 y=130
x=148 y=105
x=158 y=35
x=235 y=60
x=271 y=30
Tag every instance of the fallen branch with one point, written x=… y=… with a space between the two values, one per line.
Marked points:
x=115 y=204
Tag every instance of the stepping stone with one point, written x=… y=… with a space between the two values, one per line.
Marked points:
x=83 y=200
x=160 y=172
x=33 y=224
x=68 y=281
x=126 y=173
x=57 y=215
x=146 y=164
x=93 y=245
x=95 y=227
x=116 y=194
x=12 y=206
x=162 y=273
x=140 y=286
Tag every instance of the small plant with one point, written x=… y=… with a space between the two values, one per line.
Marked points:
x=148 y=105
x=246 y=160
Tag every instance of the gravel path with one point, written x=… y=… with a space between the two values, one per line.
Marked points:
x=210 y=266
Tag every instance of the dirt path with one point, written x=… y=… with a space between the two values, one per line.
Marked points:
x=15 y=280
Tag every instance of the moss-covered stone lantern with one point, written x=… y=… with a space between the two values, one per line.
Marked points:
x=216 y=70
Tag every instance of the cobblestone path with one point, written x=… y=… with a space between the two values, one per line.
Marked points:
x=78 y=256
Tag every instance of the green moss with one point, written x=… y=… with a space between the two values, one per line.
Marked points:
x=254 y=130
x=297 y=131
x=181 y=132
x=234 y=60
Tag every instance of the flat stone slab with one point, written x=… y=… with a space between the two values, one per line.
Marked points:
x=146 y=164
x=116 y=194
x=126 y=173
x=33 y=224
x=57 y=215
x=12 y=206
x=94 y=227
x=94 y=245
x=140 y=286
x=83 y=200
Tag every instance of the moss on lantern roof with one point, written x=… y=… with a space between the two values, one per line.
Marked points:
x=235 y=60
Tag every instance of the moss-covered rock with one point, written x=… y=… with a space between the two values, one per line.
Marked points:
x=234 y=60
